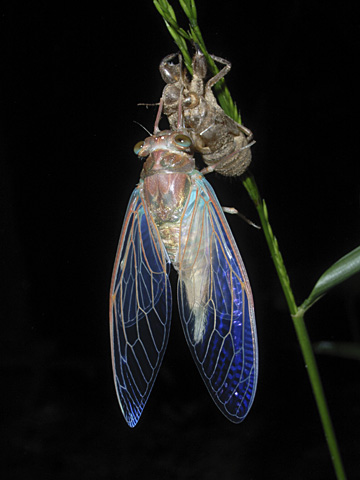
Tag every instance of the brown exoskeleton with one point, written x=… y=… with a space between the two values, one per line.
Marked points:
x=223 y=143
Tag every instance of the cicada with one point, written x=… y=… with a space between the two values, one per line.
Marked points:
x=223 y=143
x=174 y=217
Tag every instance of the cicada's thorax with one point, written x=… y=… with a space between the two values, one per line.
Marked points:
x=167 y=184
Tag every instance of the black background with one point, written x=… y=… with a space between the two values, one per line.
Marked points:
x=72 y=79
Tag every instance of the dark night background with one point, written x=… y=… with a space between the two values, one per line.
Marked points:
x=72 y=79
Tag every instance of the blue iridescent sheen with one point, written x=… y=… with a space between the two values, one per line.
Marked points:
x=140 y=310
x=226 y=354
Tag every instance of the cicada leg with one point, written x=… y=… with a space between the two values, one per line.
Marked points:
x=224 y=71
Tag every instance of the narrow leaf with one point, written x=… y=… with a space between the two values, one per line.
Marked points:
x=337 y=273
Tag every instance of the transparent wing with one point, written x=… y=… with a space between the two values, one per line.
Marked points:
x=140 y=309
x=216 y=304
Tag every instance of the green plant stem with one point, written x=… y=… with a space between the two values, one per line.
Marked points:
x=297 y=315
x=317 y=388
x=251 y=187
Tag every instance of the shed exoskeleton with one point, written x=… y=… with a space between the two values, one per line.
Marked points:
x=223 y=143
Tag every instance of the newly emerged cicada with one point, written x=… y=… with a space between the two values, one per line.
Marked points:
x=174 y=217
x=223 y=143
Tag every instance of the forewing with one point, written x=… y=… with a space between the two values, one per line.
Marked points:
x=140 y=309
x=216 y=304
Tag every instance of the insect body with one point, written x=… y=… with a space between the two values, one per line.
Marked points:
x=174 y=217
x=223 y=142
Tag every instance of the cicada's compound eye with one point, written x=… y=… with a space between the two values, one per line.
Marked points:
x=138 y=147
x=182 y=140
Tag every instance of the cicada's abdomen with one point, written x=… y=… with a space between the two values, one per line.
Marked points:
x=165 y=195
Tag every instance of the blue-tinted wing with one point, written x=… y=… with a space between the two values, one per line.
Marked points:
x=216 y=304
x=140 y=309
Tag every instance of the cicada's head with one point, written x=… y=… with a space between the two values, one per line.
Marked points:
x=167 y=152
